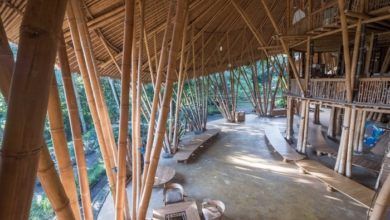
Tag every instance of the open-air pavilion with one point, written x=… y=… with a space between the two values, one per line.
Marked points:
x=301 y=87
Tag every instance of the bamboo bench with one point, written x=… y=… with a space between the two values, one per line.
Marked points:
x=280 y=144
x=335 y=181
x=318 y=142
x=193 y=143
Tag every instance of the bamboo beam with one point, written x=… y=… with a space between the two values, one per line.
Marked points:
x=181 y=10
x=75 y=123
x=60 y=145
x=124 y=108
x=47 y=174
x=29 y=91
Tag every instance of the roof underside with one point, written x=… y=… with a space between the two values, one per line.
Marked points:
x=213 y=25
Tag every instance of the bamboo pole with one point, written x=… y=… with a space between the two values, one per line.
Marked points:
x=178 y=31
x=60 y=145
x=106 y=153
x=86 y=46
x=348 y=169
x=124 y=108
x=75 y=123
x=29 y=91
x=156 y=94
x=361 y=131
x=290 y=118
x=47 y=174
x=382 y=203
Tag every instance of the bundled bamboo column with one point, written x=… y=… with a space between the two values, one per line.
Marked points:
x=179 y=23
x=290 y=118
x=60 y=144
x=124 y=108
x=47 y=173
x=22 y=142
x=75 y=124
x=303 y=126
x=332 y=119
x=382 y=202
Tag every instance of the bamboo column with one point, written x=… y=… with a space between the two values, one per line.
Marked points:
x=290 y=118
x=361 y=131
x=382 y=202
x=86 y=46
x=22 y=141
x=178 y=31
x=156 y=94
x=124 y=108
x=47 y=173
x=60 y=145
x=105 y=151
x=75 y=124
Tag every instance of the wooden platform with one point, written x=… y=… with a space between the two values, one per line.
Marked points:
x=344 y=185
x=318 y=142
x=280 y=144
x=191 y=143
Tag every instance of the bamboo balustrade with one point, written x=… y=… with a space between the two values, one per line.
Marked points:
x=374 y=91
x=331 y=89
x=294 y=89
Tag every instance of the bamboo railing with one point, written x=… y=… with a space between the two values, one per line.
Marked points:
x=294 y=88
x=374 y=91
x=333 y=88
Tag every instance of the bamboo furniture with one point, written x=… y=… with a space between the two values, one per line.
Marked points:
x=183 y=210
x=280 y=144
x=192 y=143
x=344 y=185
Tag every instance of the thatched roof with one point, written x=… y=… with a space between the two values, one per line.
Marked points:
x=213 y=22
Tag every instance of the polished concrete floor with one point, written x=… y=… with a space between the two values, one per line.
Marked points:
x=250 y=178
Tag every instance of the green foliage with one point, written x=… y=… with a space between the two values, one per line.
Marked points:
x=95 y=173
x=41 y=208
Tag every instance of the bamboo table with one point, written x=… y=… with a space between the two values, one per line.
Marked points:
x=182 y=210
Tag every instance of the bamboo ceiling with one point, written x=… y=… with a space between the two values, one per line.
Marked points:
x=213 y=24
